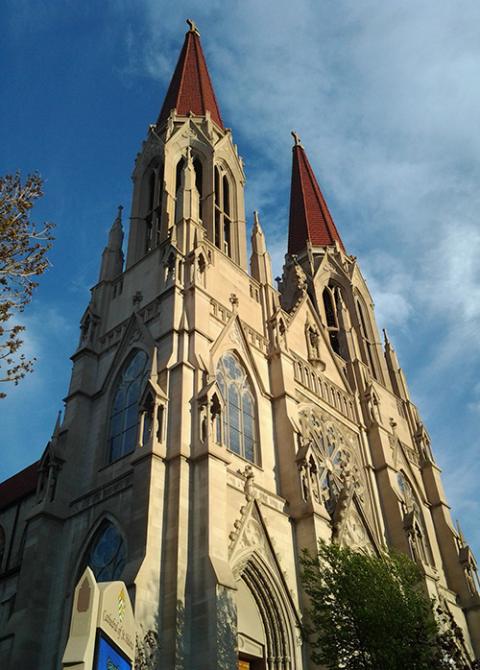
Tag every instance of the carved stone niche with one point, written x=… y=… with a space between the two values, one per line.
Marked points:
x=313 y=345
x=372 y=403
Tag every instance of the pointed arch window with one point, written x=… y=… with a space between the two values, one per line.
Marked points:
x=366 y=339
x=198 y=167
x=239 y=414
x=153 y=204
x=107 y=553
x=330 y=304
x=124 y=416
x=223 y=217
x=414 y=523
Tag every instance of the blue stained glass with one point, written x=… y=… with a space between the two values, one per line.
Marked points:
x=249 y=448
x=221 y=383
x=107 y=553
x=234 y=440
x=116 y=425
x=119 y=400
x=124 y=417
x=247 y=403
x=248 y=426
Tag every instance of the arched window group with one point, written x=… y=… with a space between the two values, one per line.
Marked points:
x=124 y=416
x=223 y=212
x=107 y=553
x=331 y=301
x=239 y=413
x=413 y=521
x=366 y=339
x=153 y=205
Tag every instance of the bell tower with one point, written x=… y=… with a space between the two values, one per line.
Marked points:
x=188 y=177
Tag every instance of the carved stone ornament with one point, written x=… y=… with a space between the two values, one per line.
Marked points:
x=335 y=460
x=353 y=532
x=373 y=406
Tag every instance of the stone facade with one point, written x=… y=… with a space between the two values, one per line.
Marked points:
x=255 y=421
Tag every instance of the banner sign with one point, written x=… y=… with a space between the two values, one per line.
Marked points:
x=107 y=657
x=102 y=627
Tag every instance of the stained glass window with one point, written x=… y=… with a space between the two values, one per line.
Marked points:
x=107 y=553
x=239 y=416
x=124 y=416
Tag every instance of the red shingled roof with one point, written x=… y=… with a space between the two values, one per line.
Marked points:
x=19 y=486
x=309 y=215
x=191 y=88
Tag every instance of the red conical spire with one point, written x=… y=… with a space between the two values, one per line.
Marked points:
x=309 y=215
x=191 y=88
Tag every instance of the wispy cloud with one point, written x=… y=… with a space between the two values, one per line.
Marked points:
x=385 y=98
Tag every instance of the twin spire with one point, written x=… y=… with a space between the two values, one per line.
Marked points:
x=191 y=88
x=310 y=218
x=191 y=91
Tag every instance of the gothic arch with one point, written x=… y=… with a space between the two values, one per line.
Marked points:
x=103 y=520
x=414 y=519
x=275 y=611
x=234 y=381
x=152 y=202
x=112 y=391
x=366 y=334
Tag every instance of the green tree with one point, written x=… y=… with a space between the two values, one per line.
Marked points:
x=371 y=613
x=23 y=249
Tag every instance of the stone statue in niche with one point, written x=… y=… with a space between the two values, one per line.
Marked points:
x=373 y=406
x=304 y=480
x=313 y=343
x=469 y=565
x=216 y=418
x=313 y=477
x=203 y=422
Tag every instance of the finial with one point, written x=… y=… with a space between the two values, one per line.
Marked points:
x=297 y=140
x=193 y=27
x=385 y=336
x=256 y=219
x=461 y=536
x=234 y=301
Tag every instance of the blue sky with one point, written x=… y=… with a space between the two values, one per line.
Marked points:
x=385 y=97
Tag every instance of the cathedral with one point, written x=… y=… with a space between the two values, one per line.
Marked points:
x=217 y=423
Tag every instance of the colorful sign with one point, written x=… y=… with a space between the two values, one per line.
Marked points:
x=102 y=627
x=107 y=657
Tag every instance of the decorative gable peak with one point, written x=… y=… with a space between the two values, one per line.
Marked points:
x=310 y=219
x=191 y=89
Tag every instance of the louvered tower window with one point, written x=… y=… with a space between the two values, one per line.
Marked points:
x=223 y=216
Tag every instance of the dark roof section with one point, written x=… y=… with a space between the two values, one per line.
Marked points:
x=310 y=218
x=19 y=486
x=191 y=88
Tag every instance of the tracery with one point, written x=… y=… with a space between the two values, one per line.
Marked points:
x=239 y=411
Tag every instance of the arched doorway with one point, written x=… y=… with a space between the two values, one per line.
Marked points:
x=263 y=626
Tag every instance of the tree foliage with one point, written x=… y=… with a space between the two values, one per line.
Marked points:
x=23 y=249
x=369 y=612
